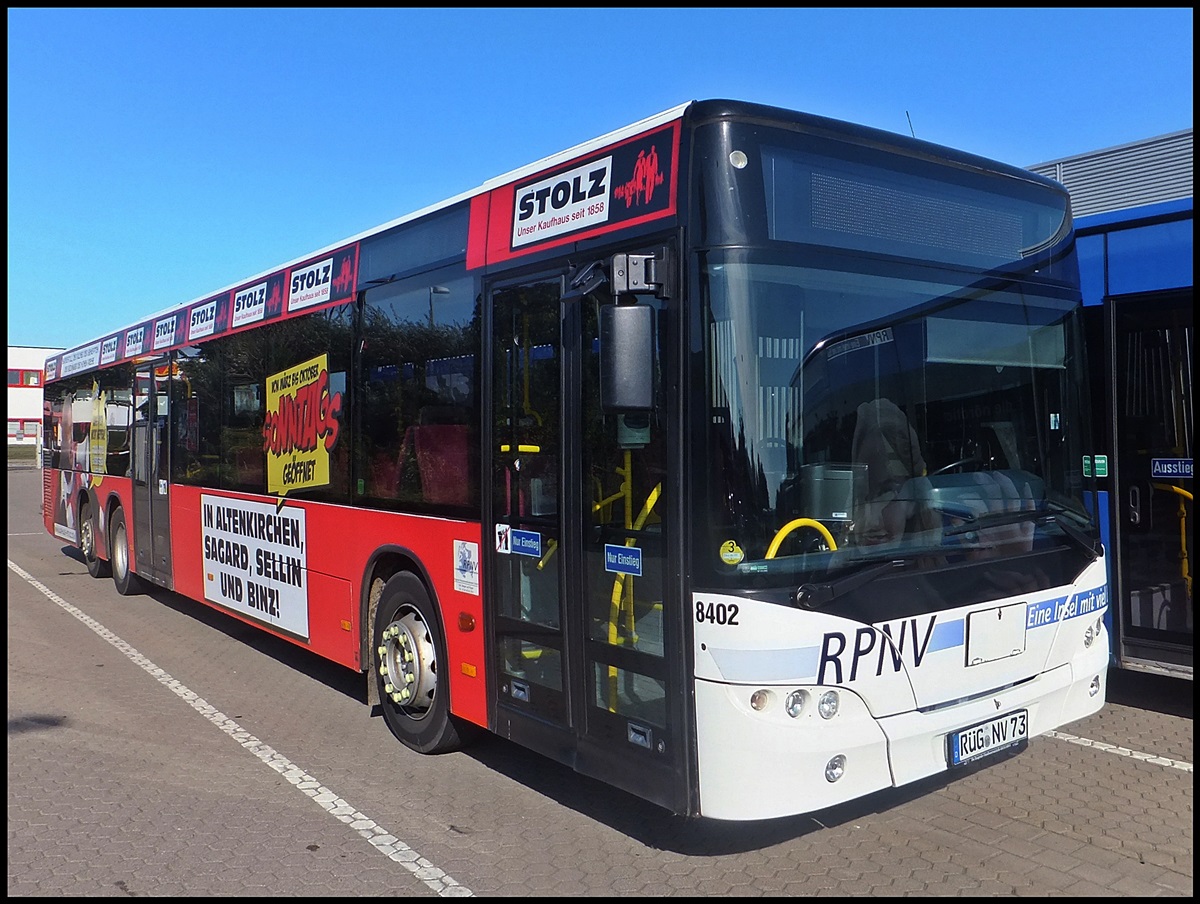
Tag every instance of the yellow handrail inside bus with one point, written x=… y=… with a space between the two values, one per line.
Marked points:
x=621 y=601
x=622 y=595
x=551 y=545
x=783 y=532
x=1174 y=489
x=1183 y=535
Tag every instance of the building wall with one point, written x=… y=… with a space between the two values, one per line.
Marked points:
x=1130 y=175
x=25 y=366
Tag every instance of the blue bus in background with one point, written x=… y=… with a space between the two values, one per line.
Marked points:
x=1133 y=220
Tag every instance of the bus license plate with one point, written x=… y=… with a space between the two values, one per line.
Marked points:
x=987 y=737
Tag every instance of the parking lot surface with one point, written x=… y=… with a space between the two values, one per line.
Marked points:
x=158 y=747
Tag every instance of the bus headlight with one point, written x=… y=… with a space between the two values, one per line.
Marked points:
x=827 y=706
x=795 y=702
x=835 y=768
x=759 y=700
x=1094 y=687
x=1089 y=637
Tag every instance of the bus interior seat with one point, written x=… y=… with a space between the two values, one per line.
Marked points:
x=441 y=453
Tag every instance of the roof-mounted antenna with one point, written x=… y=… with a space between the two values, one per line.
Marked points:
x=910 y=128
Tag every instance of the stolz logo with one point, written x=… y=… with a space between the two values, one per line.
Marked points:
x=164 y=333
x=250 y=304
x=626 y=183
x=108 y=349
x=135 y=341
x=202 y=321
x=310 y=285
x=562 y=203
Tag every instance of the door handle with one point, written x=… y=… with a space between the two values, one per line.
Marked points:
x=1135 y=505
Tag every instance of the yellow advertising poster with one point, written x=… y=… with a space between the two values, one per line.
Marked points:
x=98 y=432
x=301 y=426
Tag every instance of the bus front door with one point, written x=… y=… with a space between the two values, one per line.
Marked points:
x=576 y=554
x=1153 y=343
x=150 y=453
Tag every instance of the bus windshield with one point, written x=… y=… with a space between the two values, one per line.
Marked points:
x=857 y=417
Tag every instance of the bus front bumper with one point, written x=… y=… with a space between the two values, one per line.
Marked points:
x=761 y=763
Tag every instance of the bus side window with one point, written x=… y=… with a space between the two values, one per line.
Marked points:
x=442 y=460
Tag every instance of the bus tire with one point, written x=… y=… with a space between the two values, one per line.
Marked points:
x=96 y=566
x=410 y=653
x=126 y=582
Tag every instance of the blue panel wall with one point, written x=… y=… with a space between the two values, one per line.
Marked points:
x=1150 y=257
x=1091 y=267
x=1145 y=248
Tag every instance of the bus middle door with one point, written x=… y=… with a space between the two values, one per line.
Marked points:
x=150 y=456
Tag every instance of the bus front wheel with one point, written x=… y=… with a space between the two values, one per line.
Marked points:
x=409 y=667
x=96 y=566
x=126 y=581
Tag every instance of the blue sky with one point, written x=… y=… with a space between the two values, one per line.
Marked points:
x=155 y=156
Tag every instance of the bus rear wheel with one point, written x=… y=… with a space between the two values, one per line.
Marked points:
x=127 y=583
x=409 y=656
x=96 y=566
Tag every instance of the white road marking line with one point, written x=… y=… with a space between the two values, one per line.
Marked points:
x=378 y=836
x=1121 y=751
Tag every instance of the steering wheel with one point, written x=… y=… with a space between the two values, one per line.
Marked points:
x=827 y=541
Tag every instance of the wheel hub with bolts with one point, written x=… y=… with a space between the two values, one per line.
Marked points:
x=408 y=664
x=87 y=540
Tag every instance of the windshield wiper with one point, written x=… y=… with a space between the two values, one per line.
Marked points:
x=999 y=519
x=1067 y=524
x=818 y=596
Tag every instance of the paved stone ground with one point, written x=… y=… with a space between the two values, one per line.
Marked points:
x=156 y=747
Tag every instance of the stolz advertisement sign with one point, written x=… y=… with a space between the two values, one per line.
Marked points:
x=624 y=184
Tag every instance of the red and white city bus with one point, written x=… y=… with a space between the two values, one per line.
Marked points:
x=733 y=458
